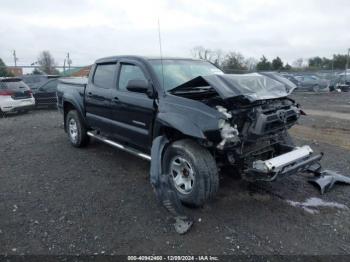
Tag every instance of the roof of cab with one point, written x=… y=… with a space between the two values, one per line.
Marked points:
x=140 y=58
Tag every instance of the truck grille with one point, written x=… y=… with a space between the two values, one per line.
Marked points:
x=271 y=122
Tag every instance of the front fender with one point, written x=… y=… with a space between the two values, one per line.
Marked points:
x=178 y=122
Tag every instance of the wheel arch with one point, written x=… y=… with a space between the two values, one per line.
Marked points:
x=176 y=127
x=68 y=106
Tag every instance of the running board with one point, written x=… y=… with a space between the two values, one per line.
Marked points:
x=120 y=146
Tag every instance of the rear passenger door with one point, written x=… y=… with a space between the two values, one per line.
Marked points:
x=98 y=96
x=132 y=113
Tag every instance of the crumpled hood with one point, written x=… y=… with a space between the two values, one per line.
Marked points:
x=251 y=86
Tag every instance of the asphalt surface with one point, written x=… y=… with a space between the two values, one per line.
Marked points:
x=57 y=199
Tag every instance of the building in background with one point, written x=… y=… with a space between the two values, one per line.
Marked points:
x=78 y=72
x=16 y=71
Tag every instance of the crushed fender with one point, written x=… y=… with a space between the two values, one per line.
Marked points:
x=163 y=189
x=327 y=178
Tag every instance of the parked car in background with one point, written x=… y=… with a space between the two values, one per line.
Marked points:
x=36 y=81
x=341 y=82
x=291 y=78
x=45 y=95
x=280 y=78
x=312 y=83
x=15 y=95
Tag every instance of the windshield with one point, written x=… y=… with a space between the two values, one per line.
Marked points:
x=177 y=72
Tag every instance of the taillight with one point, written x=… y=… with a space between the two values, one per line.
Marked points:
x=30 y=93
x=6 y=93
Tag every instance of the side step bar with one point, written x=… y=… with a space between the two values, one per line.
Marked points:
x=120 y=146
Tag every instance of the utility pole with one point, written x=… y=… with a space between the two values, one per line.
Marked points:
x=347 y=66
x=15 y=59
x=69 y=61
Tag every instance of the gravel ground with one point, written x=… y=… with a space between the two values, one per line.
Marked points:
x=56 y=199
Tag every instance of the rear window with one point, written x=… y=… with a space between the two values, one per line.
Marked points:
x=104 y=75
x=13 y=84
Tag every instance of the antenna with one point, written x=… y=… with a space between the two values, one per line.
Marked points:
x=161 y=52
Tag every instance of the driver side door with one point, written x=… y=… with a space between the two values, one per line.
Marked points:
x=132 y=112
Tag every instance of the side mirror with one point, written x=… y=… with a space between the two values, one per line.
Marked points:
x=140 y=86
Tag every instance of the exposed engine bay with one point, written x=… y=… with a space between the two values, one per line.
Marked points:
x=253 y=131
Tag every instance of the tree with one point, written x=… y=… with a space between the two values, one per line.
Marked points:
x=3 y=71
x=277 y=64
x=219 y=57
x=339 y=61
x=203 y=53
x=327 y=63
x=234 y=61
x=264 y=64
x=315 y=62
x=250 y=63
x=298 y=63
x=47 y=63
x=37 y=71
x=287 y=67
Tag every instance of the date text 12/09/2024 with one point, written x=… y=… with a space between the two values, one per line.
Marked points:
x=173 y=258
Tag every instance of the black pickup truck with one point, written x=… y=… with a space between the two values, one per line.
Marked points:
x=211 y=119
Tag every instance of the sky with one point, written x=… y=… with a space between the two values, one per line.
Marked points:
x=90 y=29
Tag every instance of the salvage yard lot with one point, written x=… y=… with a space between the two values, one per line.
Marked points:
x=56 y=199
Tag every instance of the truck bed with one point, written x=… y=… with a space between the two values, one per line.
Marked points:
x=72 y=90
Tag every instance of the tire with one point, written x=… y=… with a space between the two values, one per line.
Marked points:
x=191 y=165
x=76 y=129
x=316 y=88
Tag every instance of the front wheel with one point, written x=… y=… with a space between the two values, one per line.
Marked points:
x=193 y=170
x=76 y=129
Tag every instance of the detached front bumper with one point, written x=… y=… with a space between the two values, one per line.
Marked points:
x=295 y=161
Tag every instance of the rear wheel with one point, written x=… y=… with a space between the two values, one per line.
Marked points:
x=316 y=88
x=193 y=170
x=76 y=129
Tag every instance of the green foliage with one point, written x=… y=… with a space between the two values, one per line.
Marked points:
x=287 y=67
x=3 y=71
x=277 y=64
x=264 y=64
x=36 y=72
x=339 y=61
x=234 y=61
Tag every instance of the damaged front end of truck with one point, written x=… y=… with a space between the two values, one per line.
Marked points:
x=243 y=120
x=249 y=130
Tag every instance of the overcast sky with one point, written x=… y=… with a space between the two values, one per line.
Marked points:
x=91 y=29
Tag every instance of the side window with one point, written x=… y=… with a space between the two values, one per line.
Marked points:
x=50 y=86
x=129 y=72
x=104 y=75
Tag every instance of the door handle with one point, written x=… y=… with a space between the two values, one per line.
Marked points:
x=116 y=99
x=89 y=94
